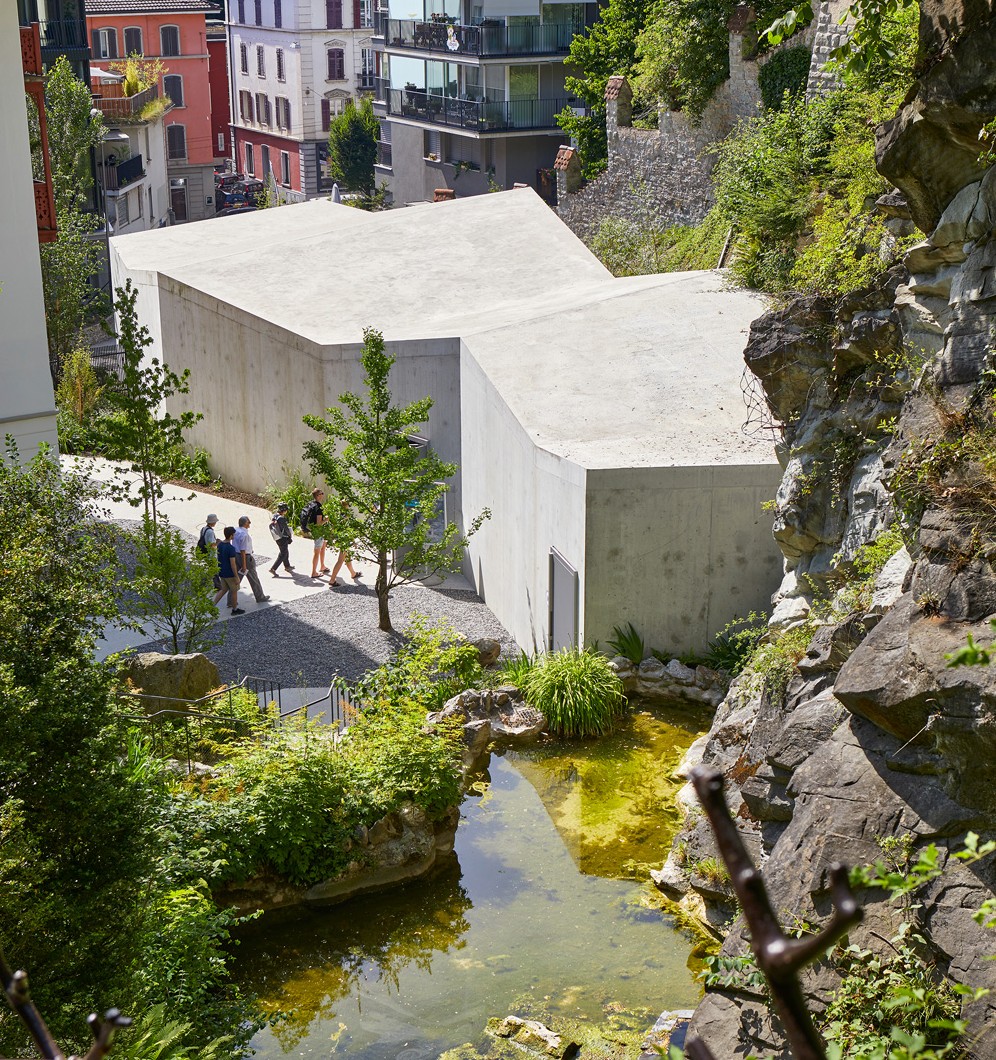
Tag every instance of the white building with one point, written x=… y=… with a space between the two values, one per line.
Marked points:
x=27 y=404
x=598 y=418
x=295 y=64
x=131 y=159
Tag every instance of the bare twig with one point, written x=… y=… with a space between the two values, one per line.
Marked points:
x=779 y=957
x=15 y=985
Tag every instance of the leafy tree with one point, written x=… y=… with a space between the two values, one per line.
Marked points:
x=74 y=258
x=390 y=496
x=173 y=589
x=353 y=147
x=77 y=398
x=607 y=48
x=138 y=430
x=73 y=133
x=72 y=855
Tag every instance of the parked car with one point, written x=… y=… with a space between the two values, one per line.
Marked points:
x=229 y=210
x=240 y=192
x=223 y=181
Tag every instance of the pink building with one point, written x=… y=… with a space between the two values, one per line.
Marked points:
x=221 y=114
x=174 y=31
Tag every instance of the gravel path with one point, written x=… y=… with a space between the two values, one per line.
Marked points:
x=306 y=642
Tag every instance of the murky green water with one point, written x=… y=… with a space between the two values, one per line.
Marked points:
x=531 y=904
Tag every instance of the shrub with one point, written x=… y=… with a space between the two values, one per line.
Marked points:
x=627 y=643
x=639 y=248
x=77 y=399
x=295 y=493
x=192 y=466
x=786 y=72
x=576 y=691
x=734 y=645
x=516 y=671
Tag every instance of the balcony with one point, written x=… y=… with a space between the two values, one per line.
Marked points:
x=479 y=115
x=111 y=101
x=484 y=41
x=63 y=37
x=31 y=58
x=117 y=175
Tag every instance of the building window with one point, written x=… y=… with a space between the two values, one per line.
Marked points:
x=221 y=143
x=123 y=216
x=263 y=109
x=336 y=64
x=331 y=106
x=250 y=161
x=173 y=87
x=281 y=75
x=260 y=61
x=264 y=156
x=176 y=141
x=133 y=41
x=285 y=169
x=242 y=11
x=169 y=40
x=333 y=14
x=245 y=106
x=244 y=58
x=105 y=44
x=283 y=113
x=278 y=14
x=366 y=13
x=259 y=12
x=368 y=67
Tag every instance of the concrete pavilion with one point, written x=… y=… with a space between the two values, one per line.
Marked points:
x=598 y=418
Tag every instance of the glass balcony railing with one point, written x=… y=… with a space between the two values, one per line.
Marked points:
x=485 y=39
x=480 y=115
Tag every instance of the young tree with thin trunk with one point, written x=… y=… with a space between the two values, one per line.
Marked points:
x=386 y=497
x=353 y=147
x=139 y=430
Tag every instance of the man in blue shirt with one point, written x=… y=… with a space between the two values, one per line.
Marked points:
x=228 y=571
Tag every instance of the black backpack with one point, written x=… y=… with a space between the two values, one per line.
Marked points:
x=201 y=543
x=308 y=515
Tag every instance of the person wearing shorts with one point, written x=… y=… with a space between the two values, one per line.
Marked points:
x=228 y=571
x=318 y=535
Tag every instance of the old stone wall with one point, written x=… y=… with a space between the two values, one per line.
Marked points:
x=662 y=176
x=829 y=34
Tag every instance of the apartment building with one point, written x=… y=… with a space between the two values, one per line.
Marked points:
x=294 y=65
x=175 y=32
x=470 y=93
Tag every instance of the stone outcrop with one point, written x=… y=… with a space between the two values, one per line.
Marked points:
x=172 y=677
x=486 y=715
x=654 y=679
x=876 y=735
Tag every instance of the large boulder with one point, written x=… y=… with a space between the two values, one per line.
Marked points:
x=173 y=677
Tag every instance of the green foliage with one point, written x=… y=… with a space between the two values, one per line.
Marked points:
x=734 y=973
x=772 y=665
x=377 y=201
x=638 y=248
x=712 y=870
x=73 y=132
x=71 y=827
x=353 y=138
x=605 y=49
x=627 y=643
x=856 y=594
x=795 y=184
x=77 y=399
x=576 y=690
x=172 y=589
x=390 y=495
x=516 y=671
x=785 y=72
x=154 y=1036
x=295 y=493
x=434 y=663
x=972 y=654
x=139 y=431
x=191 y=466
x=734 y=645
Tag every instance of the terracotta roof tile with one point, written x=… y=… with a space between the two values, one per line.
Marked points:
x=615 y=86
x=443 y=194
x=138 y=7
x=564 y=156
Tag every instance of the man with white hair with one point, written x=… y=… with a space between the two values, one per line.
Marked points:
x=247 y=561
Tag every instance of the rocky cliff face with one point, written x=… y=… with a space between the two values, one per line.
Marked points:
x=886 y=403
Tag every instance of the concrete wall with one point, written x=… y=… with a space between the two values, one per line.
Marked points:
x=27 y=405
x=537 y=501
x=679 y=552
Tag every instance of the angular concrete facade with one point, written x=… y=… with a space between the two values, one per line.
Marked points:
x=598 y=418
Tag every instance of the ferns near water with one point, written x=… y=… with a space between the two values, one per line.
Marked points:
x=577 y=691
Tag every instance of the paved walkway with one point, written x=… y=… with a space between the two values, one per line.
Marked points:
x=310 y=634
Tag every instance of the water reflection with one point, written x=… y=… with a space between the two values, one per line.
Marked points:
x=517 y=912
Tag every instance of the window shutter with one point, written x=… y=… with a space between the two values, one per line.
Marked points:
x=326 y=115
x=333 y=14
x=278 y=15
x=357 y=16
x=242 y=11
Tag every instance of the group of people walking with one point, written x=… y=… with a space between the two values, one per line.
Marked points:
x=237 y=561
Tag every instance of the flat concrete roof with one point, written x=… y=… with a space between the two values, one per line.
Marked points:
x=326 y=271
x=637 y=372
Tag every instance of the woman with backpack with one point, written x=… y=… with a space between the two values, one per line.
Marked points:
x=281 y=533
x=312 y=520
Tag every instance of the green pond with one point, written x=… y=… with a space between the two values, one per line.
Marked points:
x=545 y=897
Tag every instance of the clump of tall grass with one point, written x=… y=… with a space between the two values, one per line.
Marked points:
x=516 y=671
x=576 y=690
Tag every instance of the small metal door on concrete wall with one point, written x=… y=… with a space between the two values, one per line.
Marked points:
x=564 y=596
